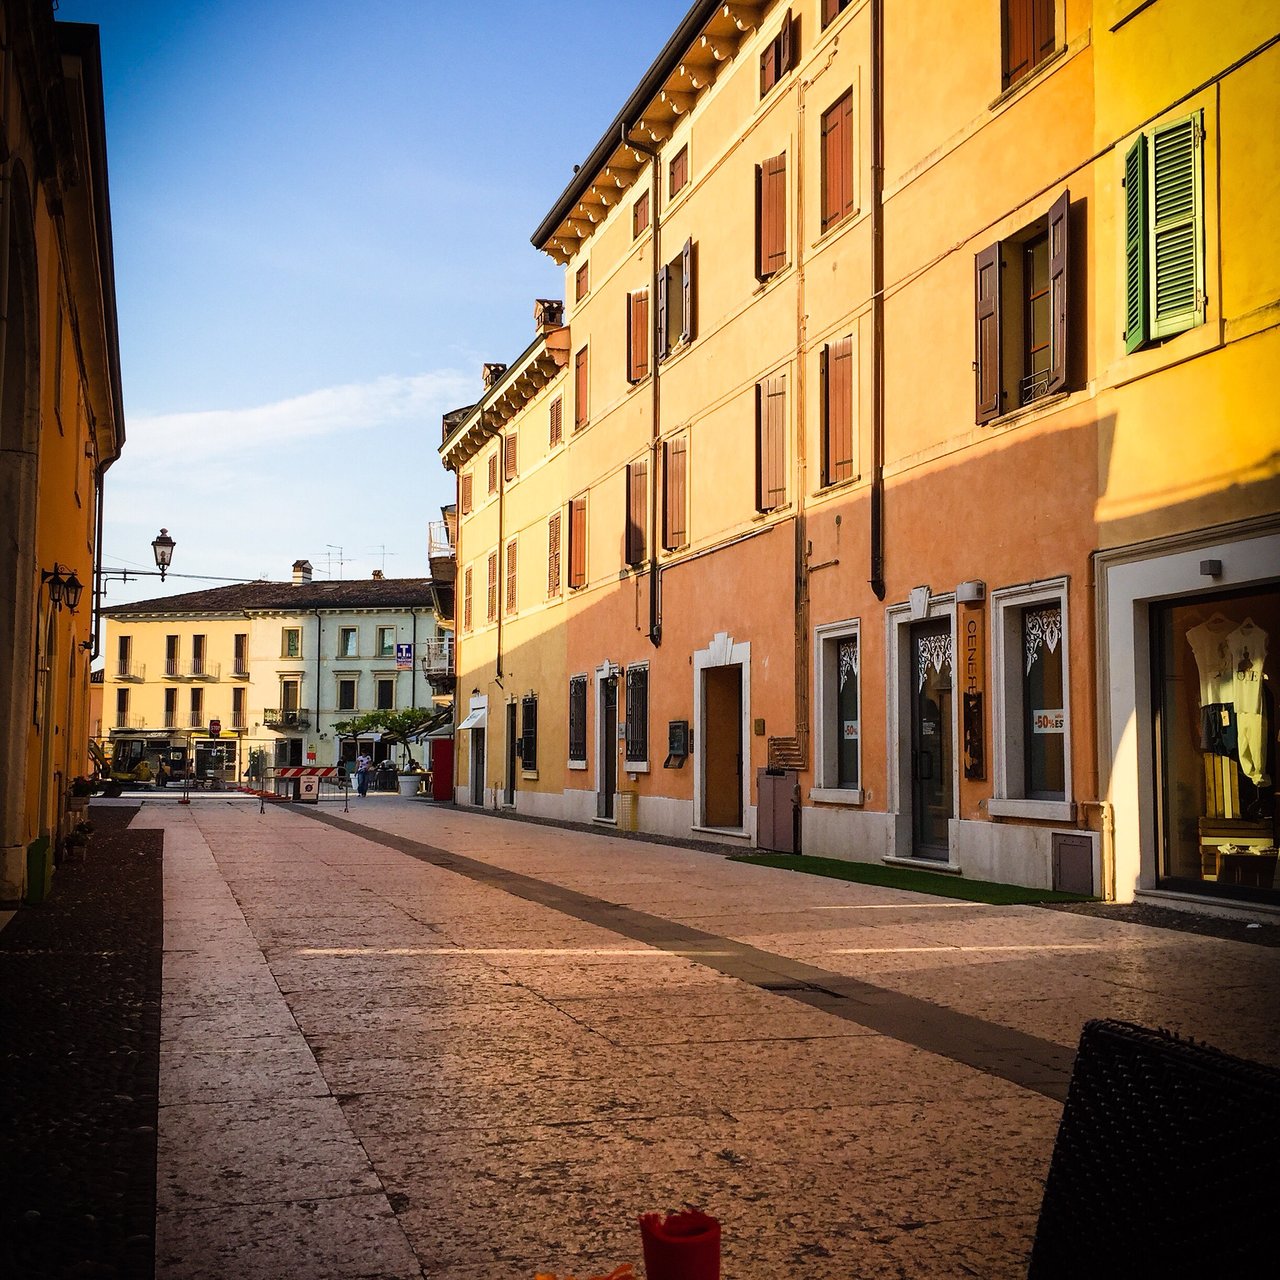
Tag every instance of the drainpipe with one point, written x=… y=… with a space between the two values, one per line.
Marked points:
x=319 y=626
x=413 y=678
x=502 y=550
x=97 y=571
x=655 y=587
x=877 y=299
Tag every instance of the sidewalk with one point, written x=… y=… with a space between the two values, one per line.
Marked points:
x=412 y=1040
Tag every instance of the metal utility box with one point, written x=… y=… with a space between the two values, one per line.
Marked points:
x=1073 y=863
x=777 y=810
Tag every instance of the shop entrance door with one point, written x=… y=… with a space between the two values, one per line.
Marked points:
x=608 y=783
x=932 y=798
x=477 y=767
x=509 y=791
x=722 y=746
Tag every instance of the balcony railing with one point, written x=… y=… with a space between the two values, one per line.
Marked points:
x=197 y=720
x=133 y=671
x=126 y=721
x=198 y=670
x=440 y=539
x=239 y=669
x=287 y=718
x=437 y=657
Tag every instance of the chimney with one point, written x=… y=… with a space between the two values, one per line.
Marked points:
x=548 y=314
x=492 y=372
x=378 y=575
x=301 y=572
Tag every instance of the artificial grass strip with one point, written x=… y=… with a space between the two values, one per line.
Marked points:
x=937 y=883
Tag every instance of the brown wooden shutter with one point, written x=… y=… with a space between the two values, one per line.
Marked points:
x=580 y=406
x=786 y=45
x=664 y=287
x=674 y=465
x=837 y=161
x=686 y=286
x=771 y=484
x=1044 y=36
x=829 y=10
x=678 y=174
x=511 y=576
x=493 y=472
x=580 y=283
x=557 y=420
x=491 y=601
x=1059 y=293
x=465 y=497
x=640 y=215
x=837 y=433
x=768 y=67
x=637 y=335
x=771 y=215
x=637 y=503
x=509 y=456
x=1029 y=36
x=987 y=346
x=553 y=554
x=578 y=542
x=466 y=599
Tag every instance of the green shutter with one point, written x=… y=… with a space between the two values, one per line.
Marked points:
x=1135 y=245
x=1177 y=226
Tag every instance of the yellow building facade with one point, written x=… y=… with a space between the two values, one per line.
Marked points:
x=901 y=342
x=61 y=420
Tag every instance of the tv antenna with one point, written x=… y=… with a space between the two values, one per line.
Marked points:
x=381 y=549
x=331 y=558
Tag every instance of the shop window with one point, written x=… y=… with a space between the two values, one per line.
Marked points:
x=837 y=411
x=385 y=690
x=676 y=301
x=529 y=733
x=346 y=694
x=1215 y=665
x=1028 y=36
x=347 y=637
x=838 y=705
x=779 y=55
x=1022 y=300
x=637 y=723
x=1031 y=715
x=578 y=721
x=675 y=462
x=771 y=443
x=771 y=216
x=637 y=335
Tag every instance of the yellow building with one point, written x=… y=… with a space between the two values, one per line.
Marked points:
x=61 y=420
x=900 y=344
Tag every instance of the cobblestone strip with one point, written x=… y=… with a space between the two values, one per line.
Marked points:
x=259 y=1175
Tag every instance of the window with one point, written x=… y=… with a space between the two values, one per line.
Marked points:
x=675 y=301
x=553 y=554
x=464 y=485
x=171 y=658
x=385 y=690
x=578 y=543
x=637 y=335
x=290 y=698
x=637 y=752
x=1022 y=291
x=493 y=472
x=771 y=216
x=578 y=720
x=386 y=642
x=240 y=660
x=637 y=511
x=466 y=599
x=291 y=642
x=838 y=705
x=347 y=642
x=237 y=708
x=197 y=655
x=1028 y=37
x=640 y=215
x=1031 y=716
x=124 y=651
x=509 y=457
x=677 y=173
x=831 y=8
x=580 y=406
x=197 y=708
x=1164 y=232
x=122 y=707
x=675 y=454
x=491 y=600
x=837 y=161
x=779 y=55
x=557 y=421
x=837 y=411
x=171 y=708
x=771 y=443
x=529 y=732
x=346 y=694
x=581 y=283
x=512 y=580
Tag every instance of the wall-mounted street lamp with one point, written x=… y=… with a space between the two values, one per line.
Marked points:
x=163 y=547
x=64 y=586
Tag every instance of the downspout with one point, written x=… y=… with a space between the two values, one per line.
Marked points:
x=877 y=299
x=655 y=442
x=801 y=525
x=413 y=679
x=501 y=585
x=319 y=626
x=97 y=570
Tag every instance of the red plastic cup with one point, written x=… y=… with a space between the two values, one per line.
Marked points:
x=681 y=1246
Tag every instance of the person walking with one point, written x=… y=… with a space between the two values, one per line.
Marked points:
x=362 y=774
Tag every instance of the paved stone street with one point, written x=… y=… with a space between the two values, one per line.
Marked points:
x=417 y=1041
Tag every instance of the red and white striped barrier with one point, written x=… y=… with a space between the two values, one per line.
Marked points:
x=306 y=771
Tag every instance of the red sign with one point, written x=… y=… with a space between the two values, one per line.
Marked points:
x=215 y=728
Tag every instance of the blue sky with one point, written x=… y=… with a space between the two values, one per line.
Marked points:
x=321 y=228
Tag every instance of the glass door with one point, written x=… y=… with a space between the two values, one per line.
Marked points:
x=608 y=747
x=932 y=797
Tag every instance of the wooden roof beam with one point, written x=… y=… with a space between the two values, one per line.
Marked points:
x=720 y=49
x=743 y=15
x=656 y=130
x=678 y=102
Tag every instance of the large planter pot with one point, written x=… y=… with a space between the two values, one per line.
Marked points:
x=410 y=782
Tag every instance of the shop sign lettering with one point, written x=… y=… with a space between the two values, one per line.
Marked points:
x=1052 y=721
x=973 y=666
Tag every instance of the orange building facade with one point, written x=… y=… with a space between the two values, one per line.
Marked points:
x=882 y=341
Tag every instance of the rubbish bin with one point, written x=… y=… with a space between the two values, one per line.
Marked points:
x=39 y=871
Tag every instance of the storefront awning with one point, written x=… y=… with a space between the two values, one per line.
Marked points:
x=476 y=720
